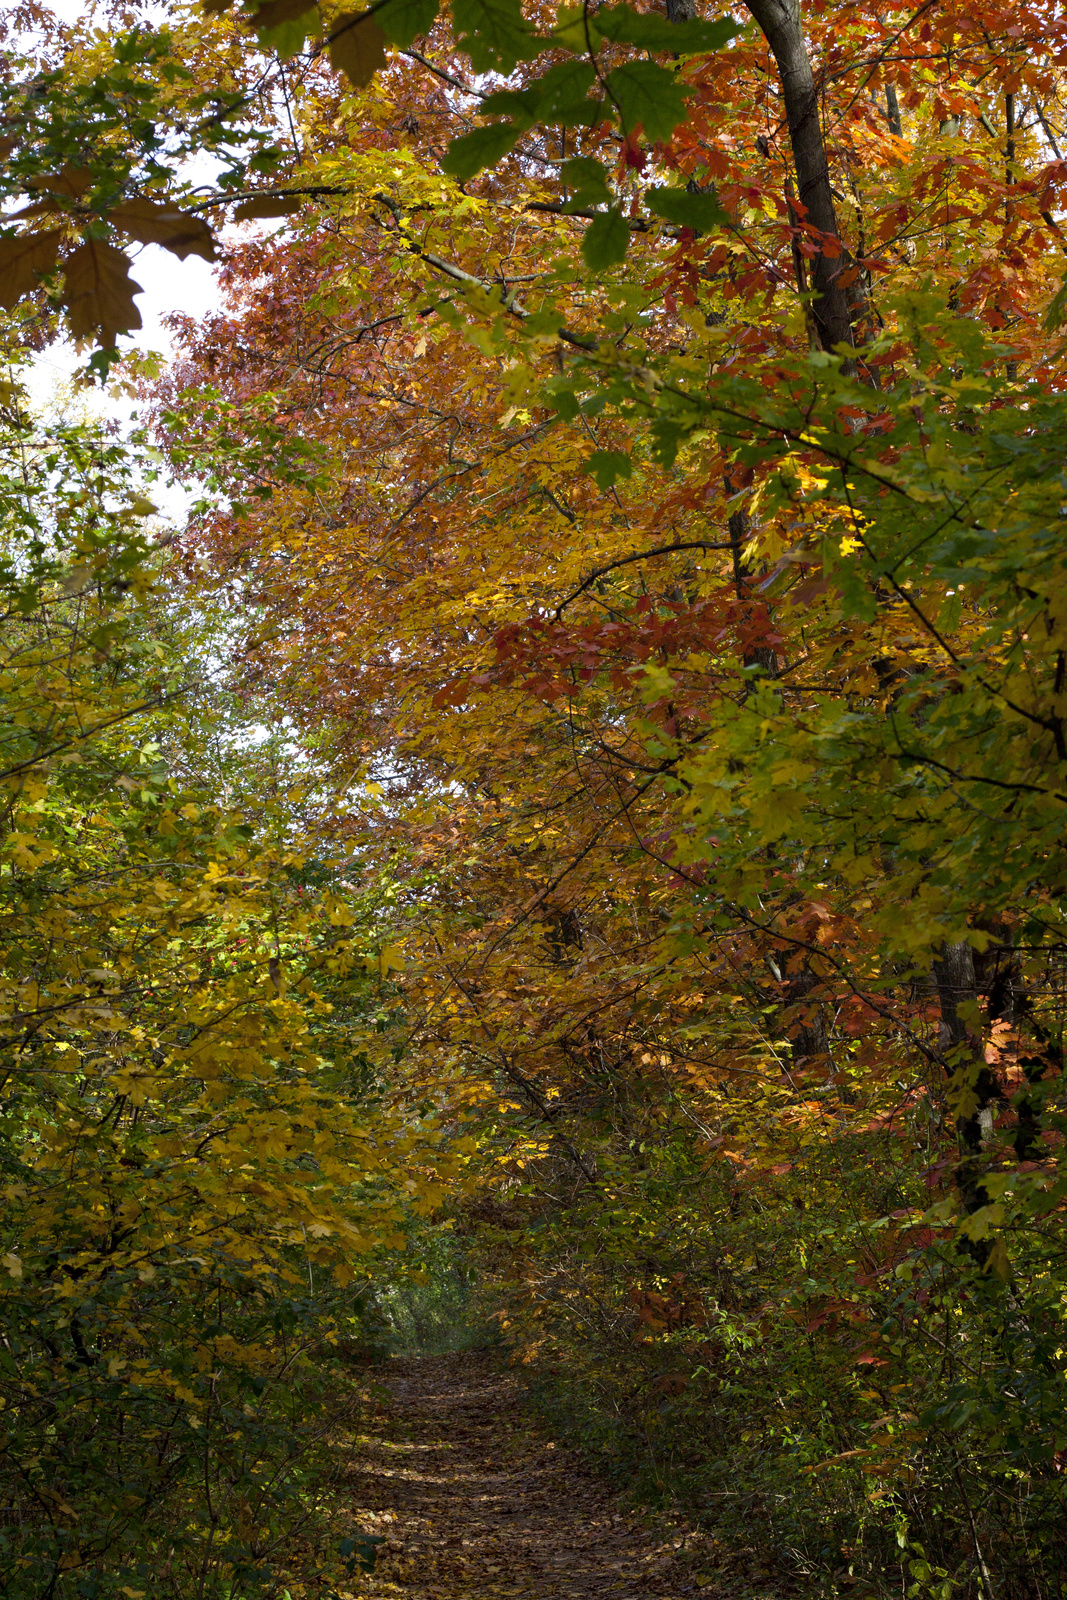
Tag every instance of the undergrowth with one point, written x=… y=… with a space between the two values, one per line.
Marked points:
x=858 y=1409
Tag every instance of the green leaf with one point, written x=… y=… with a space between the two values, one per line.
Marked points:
x=562 y=93
x=606 y=240
x=652 y=32
x=587 y=180
x=522 y=104
x=649 y=97
x=482 y=148
x=699 y=211
x=559 y=96
x=1056 y=315
x=403 y=20
x=576 y=30
x=494 y=33
x=607 y=465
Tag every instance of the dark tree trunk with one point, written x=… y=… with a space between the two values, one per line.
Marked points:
x=779 y=21
x=957 y=986
x=1009 y=1000
x=892 y=111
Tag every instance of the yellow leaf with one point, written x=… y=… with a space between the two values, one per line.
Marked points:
x=981 y=1222
x=997 y=1262
x=390 y=960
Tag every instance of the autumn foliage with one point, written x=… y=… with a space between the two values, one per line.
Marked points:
x=633 y=489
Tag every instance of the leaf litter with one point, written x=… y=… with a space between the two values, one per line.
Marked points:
x=470 y=1502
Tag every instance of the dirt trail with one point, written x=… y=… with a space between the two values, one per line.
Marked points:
x=475 y=1505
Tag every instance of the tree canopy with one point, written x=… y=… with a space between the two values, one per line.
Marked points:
x=586 y=780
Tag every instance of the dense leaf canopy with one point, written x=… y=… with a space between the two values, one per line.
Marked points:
x=587 y=778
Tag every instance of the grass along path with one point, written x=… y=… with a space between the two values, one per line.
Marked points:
x=473 y=1504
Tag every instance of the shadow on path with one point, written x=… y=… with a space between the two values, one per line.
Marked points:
x=474 y=1505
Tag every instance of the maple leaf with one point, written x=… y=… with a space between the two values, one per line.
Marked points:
x=69 y=181
x=23 y=260
x=151 y=223
x=606 y=240
x=273 y=13
x=98 y=292
x=357 y=47
x=268 y=205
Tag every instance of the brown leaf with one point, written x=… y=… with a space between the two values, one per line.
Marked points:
x=268 y=205
x=21 y=260
x=274 y=12
x=39 y=208
x=357 y=48
x=215 y=8
x=69 y=181
x=177 y=230
x=99 y=292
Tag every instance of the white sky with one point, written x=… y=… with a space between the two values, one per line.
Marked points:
x=168 y=285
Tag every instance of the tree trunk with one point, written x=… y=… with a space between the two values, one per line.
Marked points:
x=779 y=21
x=954 y=973
x=892 y=111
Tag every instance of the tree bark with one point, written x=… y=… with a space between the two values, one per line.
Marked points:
x=892 y=111
x=779 y=21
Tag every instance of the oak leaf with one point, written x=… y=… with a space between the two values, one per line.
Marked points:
x=99 y=292
x=22 y=260
x=178 y=231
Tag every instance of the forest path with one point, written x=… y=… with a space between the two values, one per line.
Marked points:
x=474 y=1504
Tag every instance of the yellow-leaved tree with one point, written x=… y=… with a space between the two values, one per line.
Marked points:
x=199 y=1178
